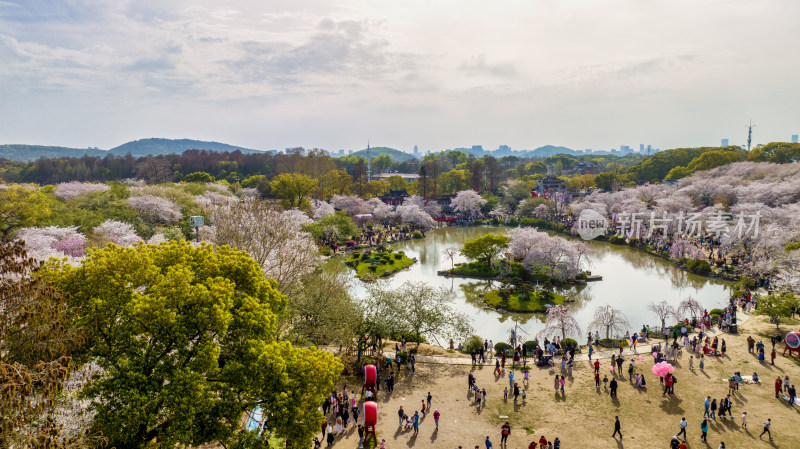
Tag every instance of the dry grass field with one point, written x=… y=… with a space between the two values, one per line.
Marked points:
x=583 y=417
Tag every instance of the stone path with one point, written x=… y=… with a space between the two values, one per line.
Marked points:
x=641 y=349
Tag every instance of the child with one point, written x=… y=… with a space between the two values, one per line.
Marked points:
x=691 y=363
x=605 y=381
x=505 y=393
x=755 y=378
x=702 y=362
x=744 y=420
x=524 y=395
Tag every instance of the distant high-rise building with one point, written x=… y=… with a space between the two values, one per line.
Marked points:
x=794 y=138
x=416 y=150
x=641 y=148
x=504 y=148
x=724 y=142
x=477 y=148
x=649 y=149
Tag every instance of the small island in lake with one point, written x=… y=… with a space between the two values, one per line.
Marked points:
x=371 y=264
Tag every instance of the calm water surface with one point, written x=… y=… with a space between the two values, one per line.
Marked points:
x=631 y=279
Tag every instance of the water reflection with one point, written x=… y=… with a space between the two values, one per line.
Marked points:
x=631 y=279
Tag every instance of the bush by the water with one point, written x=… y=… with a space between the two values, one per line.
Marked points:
x=616 y=239
x=698 y=266
x=417 y=235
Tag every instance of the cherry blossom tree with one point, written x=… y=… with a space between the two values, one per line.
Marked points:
x=468 y=202
x=560 y=321
x=663 y=311
x=321 y=209
x=450 y=253
x=210 y=200
x=501 y=211
x=609 y=320
x=379 y=209
x=541 y=211
x=412 y=214
x=53 y=241
x=116 y=232
x=353 y=205
x=272 y=236
x=432 y=208
x=156 y=209
x=560 y=258
x=689 y=307
x=74 y=189
x=683 y=248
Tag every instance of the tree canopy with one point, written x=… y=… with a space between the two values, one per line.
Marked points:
x=185 y=338
x=485 y=248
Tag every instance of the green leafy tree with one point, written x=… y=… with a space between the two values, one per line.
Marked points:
x=185 y=337
x=294 y=190
x=21 y=207
x=417 y=307
x=777 y=306
x=332 y=227
x=604 y=181
x=485 y=248
x=778 y=152
x=199 y=176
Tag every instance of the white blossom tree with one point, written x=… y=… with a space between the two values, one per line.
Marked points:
x=74 y=189
x=560 y=258
x=321 y=209
x=431 y=208
x=560 y=321
x=353 y=205
x=450 y=253
x=379 y=209
x=116 y=232
x=609 y=320
x=663 y=311
x=156 y=209
x=412 y=214
x=467 y=202
x=53 y=241
x=273 y=238
x=501 y=211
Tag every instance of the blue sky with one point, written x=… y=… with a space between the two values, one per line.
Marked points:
x=275 y=74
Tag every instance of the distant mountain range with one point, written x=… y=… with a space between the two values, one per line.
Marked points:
x=157 y=146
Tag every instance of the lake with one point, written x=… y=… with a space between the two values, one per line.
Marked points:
x=631 y=279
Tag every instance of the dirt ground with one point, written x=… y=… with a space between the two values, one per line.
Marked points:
x=584 y=417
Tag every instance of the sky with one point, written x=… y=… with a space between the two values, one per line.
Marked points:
x=272 y=74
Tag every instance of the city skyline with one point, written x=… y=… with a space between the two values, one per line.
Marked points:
x=316 y=74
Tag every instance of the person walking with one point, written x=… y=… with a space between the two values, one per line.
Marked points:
x=360 y=436
x=704 y=429
x=792 y=395
x=683 y=425
x=702 y=362
x=401 y=415
x=436 y=416
x=706 y=405
x=416 y=423
x=488 y=443
x=778 y=386
x=591 y=350
x=556 y=383
x=613 y=386
x=505 y=430
x=617 y=428
x=744 y=420
x=631 y=369
x=713 y=414
x=429 y=398
x=562 y=381
x=597 y=367
x=767 y=425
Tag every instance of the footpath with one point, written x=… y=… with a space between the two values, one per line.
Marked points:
x=606 y=353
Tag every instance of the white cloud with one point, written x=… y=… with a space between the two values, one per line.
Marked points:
x=307 y=72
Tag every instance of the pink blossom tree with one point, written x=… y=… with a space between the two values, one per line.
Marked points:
x=663 y=311
x=353 y=205
x=560 y=321
x=379 y=209
x=412 y=214
x=321 y=209
x=689 y=307
x=560 y=258
x=53 y=241
x=467 y=202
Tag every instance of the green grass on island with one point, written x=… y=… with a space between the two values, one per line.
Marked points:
x=523 y=302
x=372 y=264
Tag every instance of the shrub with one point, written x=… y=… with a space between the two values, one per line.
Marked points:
x=569 y=341
x=410 y=337
x=715 y=312
x=531 y=345
x=612 y=342
x=416 y=235
x=616 y=239
x=500 y=348
x=356 y=255
x=698 y=266
x=372 y=268
x=398 y=256
x=633 y=242
x=325 y=251
x=473 y=342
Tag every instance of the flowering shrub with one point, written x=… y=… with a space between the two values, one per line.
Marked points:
x=116 y=232
x=53 y=241
x=155 y=208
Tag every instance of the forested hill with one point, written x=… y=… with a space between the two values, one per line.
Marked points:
x=137 y=148
x=396 y=155
x=27 y=153
x=155 y=146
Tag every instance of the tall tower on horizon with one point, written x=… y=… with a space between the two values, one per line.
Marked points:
x=750 y=134
x=369 y=164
